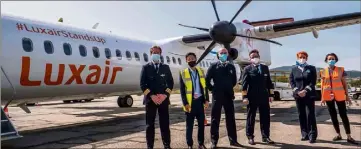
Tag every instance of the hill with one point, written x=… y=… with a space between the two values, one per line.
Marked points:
x=350 y=73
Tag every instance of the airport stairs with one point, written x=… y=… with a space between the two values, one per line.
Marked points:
x=8 y=130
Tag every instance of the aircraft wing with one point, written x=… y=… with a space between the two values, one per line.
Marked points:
x=308 y=25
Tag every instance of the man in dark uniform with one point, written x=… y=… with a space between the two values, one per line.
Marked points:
x=257 y=91
x=224 y=79
x=156 y=82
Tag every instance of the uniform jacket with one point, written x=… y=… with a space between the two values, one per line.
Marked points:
x=183 y=90
x=256 y=86
x=156 y=83
x=224 y=78
x=306 y=79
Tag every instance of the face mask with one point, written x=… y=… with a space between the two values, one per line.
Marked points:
x=192 y=63
x=302 y=61
x=223 y=57
x=255 y=60
x=155 y=57
x=331 y=62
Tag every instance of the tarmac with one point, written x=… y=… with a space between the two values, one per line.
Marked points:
x=102 y=124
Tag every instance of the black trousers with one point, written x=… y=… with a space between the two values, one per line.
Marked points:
x=197 y=111
x=341 y=105
x=307 y=120
x=264 y=116
x=228 y=105
x=150 y=113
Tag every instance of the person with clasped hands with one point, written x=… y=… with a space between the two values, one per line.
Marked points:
x=156 y=82
x=257 y=93
x=334 y=91
x=303 y=81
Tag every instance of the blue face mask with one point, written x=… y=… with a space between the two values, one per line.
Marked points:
x=332 y=62
x=223 y=57
x=155 y=57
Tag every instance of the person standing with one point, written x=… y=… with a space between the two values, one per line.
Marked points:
x=223 y=75
x=194 y=97
x=334 y=90
x=156 y=82
x=257 y=92
x=303 y=80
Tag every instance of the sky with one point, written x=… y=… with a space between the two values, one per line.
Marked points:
x=154 y=20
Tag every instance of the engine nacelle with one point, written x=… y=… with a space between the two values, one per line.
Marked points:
x=233 y=53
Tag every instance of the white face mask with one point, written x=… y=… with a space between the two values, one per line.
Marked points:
x=255 y=60
x=302 y=61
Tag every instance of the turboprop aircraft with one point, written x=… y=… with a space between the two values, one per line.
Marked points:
x=47 y=61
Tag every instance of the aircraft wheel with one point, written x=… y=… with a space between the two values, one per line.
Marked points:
x=76 y=100
x=120 y=101
x=66 y=101
x=277 y=96
x=355 y=96
x=128 y=101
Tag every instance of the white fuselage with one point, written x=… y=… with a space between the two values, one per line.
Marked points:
x=34 y=71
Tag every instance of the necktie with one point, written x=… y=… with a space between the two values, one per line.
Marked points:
x=156 y=68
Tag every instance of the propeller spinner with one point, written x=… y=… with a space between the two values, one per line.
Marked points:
x=224 y=33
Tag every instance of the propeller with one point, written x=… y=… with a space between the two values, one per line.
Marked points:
x=224 y=33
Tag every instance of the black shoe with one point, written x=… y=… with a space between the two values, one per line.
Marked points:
x=190 y=147
x=167 y=147
x=202 y=147
x=214 y=146
x=251 y=141
x=337 y=138
x=352 y=141
x=149 y=147
x=268 y=141
x=235 y=144
x=312 y=141
x=304 y=138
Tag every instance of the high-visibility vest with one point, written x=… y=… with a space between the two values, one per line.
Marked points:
x=332 y=84
x=187 y=80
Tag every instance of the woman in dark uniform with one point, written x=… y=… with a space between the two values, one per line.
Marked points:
x=303 y=80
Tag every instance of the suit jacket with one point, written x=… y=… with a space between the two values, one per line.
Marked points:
x=156 y=82
x=224 y=79
x=305 y=80
x=257 y=86
x=183 y=90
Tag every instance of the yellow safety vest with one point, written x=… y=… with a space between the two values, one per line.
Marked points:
x=187 y=80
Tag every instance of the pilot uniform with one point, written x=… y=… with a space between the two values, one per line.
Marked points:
x=156 y=79
x=305 y=78
x=257 y=87
x=224 y=78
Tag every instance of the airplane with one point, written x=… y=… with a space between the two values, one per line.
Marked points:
x=50 y=61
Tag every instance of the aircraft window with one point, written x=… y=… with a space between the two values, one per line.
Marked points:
x=207 y=63
x=118 y=53
x=203 y=64
x=82 y=50
x=108 y=54
x=162 y=59
x=173 y=59
x=179 y=61
x=67 y=48
x=48 y=46
x=145 y=56
x=136 y=55
x=128 y=55
x=96 y=52
x=168 y=59
x=27 y=45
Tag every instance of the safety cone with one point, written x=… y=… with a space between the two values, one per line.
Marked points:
x=6 y=112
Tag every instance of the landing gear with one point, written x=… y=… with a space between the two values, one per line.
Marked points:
x=277 y=96
x=126 y=101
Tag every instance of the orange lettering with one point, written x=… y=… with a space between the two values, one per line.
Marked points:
x=76 y=74
x=25 y=73
x=96 y=74
x=114 y=74
x=48 y=72
x=106 y=72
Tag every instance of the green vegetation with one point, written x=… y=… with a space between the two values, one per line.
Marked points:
x=355 y=83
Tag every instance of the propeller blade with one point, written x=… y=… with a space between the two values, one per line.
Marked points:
x=200 y=28
x=209 y=49
x=240 y=9
x=215 y=10
x=275 y=42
